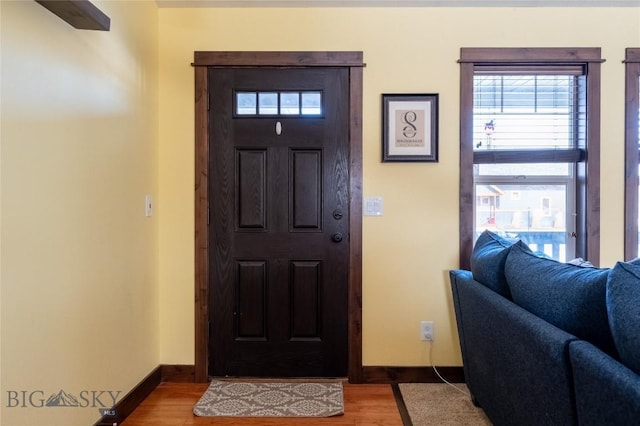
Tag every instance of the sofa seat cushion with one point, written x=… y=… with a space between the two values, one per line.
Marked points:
x=570 y=297
x=623 y=308
x=487 y=261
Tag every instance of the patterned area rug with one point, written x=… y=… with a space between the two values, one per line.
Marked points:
x=269 y=399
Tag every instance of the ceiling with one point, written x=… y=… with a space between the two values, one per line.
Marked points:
x=398 y=3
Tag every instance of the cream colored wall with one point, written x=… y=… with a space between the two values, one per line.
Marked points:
x=95 y=295
x=79 y=258
x=408 y=251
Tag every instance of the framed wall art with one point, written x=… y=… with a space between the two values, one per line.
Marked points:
x=410 y=127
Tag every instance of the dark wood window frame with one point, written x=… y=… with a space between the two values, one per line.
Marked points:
x=204 y=60
x=632 y=154
x=588 y=178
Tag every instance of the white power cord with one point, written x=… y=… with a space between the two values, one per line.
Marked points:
x=433 y=365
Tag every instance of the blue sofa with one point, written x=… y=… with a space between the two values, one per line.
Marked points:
x=545 y=342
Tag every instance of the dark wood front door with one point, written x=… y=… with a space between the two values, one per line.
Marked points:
x=279 y=223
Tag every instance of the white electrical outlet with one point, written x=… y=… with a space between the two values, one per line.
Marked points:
x=426 y=331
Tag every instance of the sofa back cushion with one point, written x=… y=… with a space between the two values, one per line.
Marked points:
x=623 y=308
x=487 y=261
x=570 y=297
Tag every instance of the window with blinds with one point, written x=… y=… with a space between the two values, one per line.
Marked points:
x=632 y=154
x=524 y=134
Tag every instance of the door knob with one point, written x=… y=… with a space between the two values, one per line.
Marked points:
x=337 y=214
x=337 y=237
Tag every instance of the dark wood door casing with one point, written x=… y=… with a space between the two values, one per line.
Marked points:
x=202 y=62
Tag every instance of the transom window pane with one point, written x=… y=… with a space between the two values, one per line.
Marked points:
x=311 y=103
x=267 y=103
x=535 y=213
x=284 y=103
x=290 y=103
x=246 y=102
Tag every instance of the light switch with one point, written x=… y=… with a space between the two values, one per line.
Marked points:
x=373 y=206
x=148 y=205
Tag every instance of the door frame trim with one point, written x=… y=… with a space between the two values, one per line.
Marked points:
x=202 y=61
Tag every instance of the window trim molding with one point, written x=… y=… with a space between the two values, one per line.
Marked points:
x=631 y=154
x=588 y=172
x=530 y=55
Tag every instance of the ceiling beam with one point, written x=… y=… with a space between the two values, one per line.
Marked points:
x=80 y=14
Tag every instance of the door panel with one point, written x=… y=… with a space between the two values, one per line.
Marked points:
x=251 y=291
x=279 y=275
x=251 y=187
x=305 y=193
x=306 y=296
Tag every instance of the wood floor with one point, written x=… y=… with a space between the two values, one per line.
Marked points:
x=172 y=404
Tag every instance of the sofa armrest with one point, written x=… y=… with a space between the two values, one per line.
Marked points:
x=607 y=392
x=455 y=276
x=516 y=364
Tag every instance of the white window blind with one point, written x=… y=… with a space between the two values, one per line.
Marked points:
x=528 y=111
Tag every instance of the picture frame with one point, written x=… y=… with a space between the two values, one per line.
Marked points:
x=410 y=127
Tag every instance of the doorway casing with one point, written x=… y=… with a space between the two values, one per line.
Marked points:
x=204 y=60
